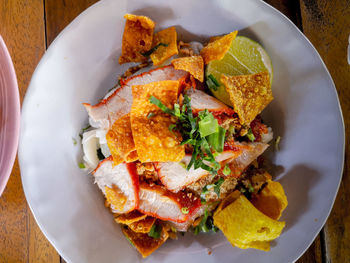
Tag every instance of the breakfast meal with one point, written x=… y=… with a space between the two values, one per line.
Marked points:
x=176 y=146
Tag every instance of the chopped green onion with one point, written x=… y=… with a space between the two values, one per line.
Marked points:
x=226 y=171
x=84 y=130
x=242 y=189
x=217 y=186
x=177 y=110
x=172 y=127
x=160 y=105
x=203 y=194
x=130 y=241
x=149 y=52
x=277 y=143
x=213 y=79
x=183 y=165
x=206 y=224
x=250 y=135
x=81 y=166
x=250 y=188
x=185 y=210
x=150 y=115
x=231 y=130
x=155 y=231
x=208 y=125
x=212 y=83
x=74 y=141
x=217 y=140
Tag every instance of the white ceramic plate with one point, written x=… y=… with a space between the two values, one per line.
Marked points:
x=81 y=65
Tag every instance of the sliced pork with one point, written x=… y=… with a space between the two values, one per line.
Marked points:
x=119 y=185
x=176 y=177
x=107 y=111
x=248 y=153
x=184 y=226
x=201 y=101
x=158 y=202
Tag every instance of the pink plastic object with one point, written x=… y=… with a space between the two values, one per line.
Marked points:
x=9 y=115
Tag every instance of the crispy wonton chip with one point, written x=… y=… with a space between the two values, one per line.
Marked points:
x=145 y=244
x=137 y=38
x=120 y=141
x=245 y=226
x=227 y=200
x=214 y=38
x=194 y=65
x=249 y=94
x=166 y=44
x=154 y=141
x=130 y=217
x=217 y=49
x=271 y=200
x=143 y=226
x=115 y=197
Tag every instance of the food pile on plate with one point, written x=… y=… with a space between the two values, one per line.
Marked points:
x=169 y=157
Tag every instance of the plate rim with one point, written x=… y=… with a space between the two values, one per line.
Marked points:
x=85 y=13
x=14 y=107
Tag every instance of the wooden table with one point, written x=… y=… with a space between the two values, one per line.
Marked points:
x=29 y=26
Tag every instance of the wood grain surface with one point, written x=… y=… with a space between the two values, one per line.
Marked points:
x=327 y=25
x=30 y=26
x=22 y=27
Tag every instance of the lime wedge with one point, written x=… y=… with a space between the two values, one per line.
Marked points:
x=245 y=56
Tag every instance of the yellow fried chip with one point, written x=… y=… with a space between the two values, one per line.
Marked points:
x=214 y=38
x=249 y=94
x=137 y=38
x=120 y=141
x=154 y=141
x=144 y=225
x=145 y=244
x=262 y=245
x=130 y=217
x=165 y=42
x=271 y=200
x=194 y=65
x=243 y=224
x=115 y=197
x=217 y=49
x=227 y=200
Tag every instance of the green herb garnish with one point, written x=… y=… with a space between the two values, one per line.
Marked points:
x=208 y=124
x=130 y=241
x=74 y=141
x=212 y=82
x=155 y=231
x=84 y=130
x=203 y=133
x=217 y=140
x=149 y=52
x=277 y=143
x=81 y=165
x=215 y=186
x=226 y=171
x=185 y=210
x=150 y=115
x=250 y=135
x=250 y=188
x=183 y=165
x=206 y=224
